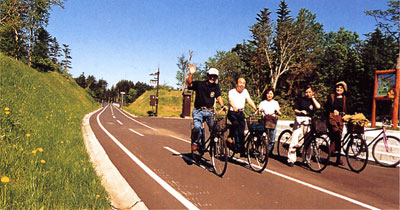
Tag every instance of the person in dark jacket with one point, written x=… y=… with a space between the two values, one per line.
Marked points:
x=336 y=106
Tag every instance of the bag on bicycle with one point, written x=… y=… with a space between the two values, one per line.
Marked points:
x=319 y=126
x=269 y=121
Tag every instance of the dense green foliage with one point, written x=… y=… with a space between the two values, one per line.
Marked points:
x=289 y=53
x=44 y=163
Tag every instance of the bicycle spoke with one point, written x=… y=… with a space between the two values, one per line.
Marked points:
x=357 y=154
x=219 y=156
x=387 y=153
x=317 y=155
x=257 y=154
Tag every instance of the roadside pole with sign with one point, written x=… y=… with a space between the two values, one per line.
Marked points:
x=156 y=81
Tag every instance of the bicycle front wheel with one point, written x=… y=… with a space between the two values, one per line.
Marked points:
x=257 y=153
x=357 y=153
x=387 y=153
x=283 y=142
x=219 y=155
x=317 y=154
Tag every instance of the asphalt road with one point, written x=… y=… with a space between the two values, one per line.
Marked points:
x=153 y=155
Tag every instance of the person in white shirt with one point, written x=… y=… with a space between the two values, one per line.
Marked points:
x=237 y=98
x=269 y=106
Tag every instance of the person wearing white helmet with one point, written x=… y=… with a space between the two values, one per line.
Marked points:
x=206 y=93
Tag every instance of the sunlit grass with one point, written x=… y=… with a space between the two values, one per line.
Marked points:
x=44 y=164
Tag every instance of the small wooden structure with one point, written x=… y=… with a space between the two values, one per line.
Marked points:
x=387 y=87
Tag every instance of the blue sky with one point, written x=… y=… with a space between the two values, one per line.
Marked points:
x=129 y=39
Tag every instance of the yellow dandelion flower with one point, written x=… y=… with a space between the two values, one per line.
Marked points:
x=47 y=117
x=6 y=109
x=43 y=161
x=28 y=135
x=14 y=146
x=40 y=149
x=5 y=179
x=62 y=142
x=7 y=112
x=33 y=151
x=97 y=196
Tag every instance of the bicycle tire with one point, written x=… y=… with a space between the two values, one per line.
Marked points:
x=357 y=153
x=317 y=154
x=390 y=157
x=257 y=153
x=219 y=155
x=283 y=142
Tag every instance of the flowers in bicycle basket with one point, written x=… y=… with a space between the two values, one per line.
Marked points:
x=356 y=119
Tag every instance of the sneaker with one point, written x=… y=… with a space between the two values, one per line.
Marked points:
x=290 y=164
x=194 y=147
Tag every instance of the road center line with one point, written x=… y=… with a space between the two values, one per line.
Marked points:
x=136 y=132
x=180 y=139
x=160 y=181
x=120 y=122
x=136 y=120
x=299 y=182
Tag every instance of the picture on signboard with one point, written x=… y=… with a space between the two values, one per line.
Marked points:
x=386 y=84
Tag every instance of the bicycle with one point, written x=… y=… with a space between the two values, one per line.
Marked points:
x=215 y=145
x=313 y=145
x=357 y=151
x=255 y=143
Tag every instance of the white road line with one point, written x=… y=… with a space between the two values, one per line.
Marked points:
x=136 y=120
x=180 y=139
x=136 y=132
x=112 y=111
x=160 y=181
x=298 y=181
x=120 y=122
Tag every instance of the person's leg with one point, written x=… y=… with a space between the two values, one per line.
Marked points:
x=241 y=128
x=234 y=125
x=197 y=125
x=272 y=134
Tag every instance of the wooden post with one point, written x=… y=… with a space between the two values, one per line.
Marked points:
x=373 y=120
x=396 y=100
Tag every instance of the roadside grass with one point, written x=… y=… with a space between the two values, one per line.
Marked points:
x=44 y=163
x=170 y=104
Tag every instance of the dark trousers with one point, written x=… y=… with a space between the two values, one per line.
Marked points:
x=238 y=123
x=335 y=132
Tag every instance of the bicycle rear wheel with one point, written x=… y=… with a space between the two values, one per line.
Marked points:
x=257 y=153
x=317 y=154
x=283 y=142
x=357 y=153
x=219 y=155
x=387 y=154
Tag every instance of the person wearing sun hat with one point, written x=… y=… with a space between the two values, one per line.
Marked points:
x=336 y=106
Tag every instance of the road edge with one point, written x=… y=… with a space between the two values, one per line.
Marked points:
x=121 y=195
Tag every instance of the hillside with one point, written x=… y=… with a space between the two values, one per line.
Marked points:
x=170 y=104
x=44 y=163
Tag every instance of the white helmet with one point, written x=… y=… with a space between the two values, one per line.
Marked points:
x=213 y=71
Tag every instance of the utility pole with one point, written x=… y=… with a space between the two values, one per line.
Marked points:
x=156 y=80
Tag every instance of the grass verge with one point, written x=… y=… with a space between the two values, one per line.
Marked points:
x=44 y=164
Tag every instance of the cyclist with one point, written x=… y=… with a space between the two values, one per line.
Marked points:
x=304 y=108
x=336 y=106
x=237 y=98
x=269 y=106
x=206 y=93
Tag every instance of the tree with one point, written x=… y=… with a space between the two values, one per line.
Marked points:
x=41 y=52
x=180 y=74
x=66 y=62
x=389 y=22
x=81 y=80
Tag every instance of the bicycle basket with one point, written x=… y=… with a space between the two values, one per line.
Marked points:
x=254 y=125
x=355 y=128
x=319 y=126
x=269 y=121
x=221 y=122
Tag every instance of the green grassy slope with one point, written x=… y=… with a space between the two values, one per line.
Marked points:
x=170 y=103
x=44 y=163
